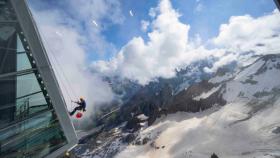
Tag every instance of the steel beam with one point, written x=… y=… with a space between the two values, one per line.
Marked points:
x=38 y=50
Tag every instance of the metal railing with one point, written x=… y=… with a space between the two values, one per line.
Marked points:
x=24 y=110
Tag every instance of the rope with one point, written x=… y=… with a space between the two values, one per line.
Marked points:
x=109 y=113
x=62 y=75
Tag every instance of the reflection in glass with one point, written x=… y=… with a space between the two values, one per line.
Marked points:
x=28 y=124
x=37 y=136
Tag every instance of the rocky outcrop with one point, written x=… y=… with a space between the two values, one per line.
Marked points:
x=156 y=105
x=129 y=138
x=185 y=101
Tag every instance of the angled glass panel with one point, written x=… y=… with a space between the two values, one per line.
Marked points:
x=31 y=104
x=22 y=92
x=23 y=62
x=21 y=96
x=28 y=123
x=27 y=84
x=35 y=137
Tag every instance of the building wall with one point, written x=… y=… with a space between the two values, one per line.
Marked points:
x=33 y=115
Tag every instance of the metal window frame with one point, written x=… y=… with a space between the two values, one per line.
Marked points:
x=38 y=50
x=17 y=73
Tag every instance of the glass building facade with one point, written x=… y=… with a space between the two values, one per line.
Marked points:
x=29 y=123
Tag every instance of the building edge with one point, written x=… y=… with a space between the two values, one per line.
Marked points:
x=34 y=39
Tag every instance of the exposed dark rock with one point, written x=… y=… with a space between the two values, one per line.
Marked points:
x=152 y=144
x=184 y=100
x=133 y=124
x=260 y=45
x=261 y=70
x=129 y=138
x=214 y=156
x=154 y=98
x=275 y=35
x=138 y=142
x=145 y=140
x=159 y=99
x=155 y=106
x=276 y=130
x=226 y=69
x=249 y=81
x=270 y=57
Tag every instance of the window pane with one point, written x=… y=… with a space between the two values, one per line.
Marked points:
x=23 y=62
x=35 y=137
x=6 y=12
x=7 y=100
x=13 y=55
x=20 y=47
x=21 y=97
x=28 y=124
x=31 y=104
x=7 y=50
x=27 y=84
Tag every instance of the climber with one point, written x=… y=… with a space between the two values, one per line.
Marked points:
x=82 y=106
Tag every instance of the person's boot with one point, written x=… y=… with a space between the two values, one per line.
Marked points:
x=71 y=113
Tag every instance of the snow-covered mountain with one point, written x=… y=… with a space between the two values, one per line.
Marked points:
x=124 y=89
x=234 y=114
x=194 y=73
x=246 y=126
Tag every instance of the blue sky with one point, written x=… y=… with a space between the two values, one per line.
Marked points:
x=204 y=17
x=117 y=44
x=205 y=22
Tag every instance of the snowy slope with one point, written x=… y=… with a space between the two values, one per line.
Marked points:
x=205 y=95
x=260 y=77
x=219 y=79
x=247 y=126
x=198 y=135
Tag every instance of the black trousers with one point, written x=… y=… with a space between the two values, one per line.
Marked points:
x=76 y=109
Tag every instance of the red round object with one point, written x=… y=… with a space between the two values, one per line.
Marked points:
x=79 y=115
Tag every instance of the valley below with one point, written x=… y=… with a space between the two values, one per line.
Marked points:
x=233 y=113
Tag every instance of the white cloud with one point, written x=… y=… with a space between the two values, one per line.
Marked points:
x=196 y=40
x=65 y=44
x=84 y=16
x=167 y=49
x=246 y=33
x=96 y=9
x=144 y=25
x=152 y=12
x=223 y=60
x=84 y=11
